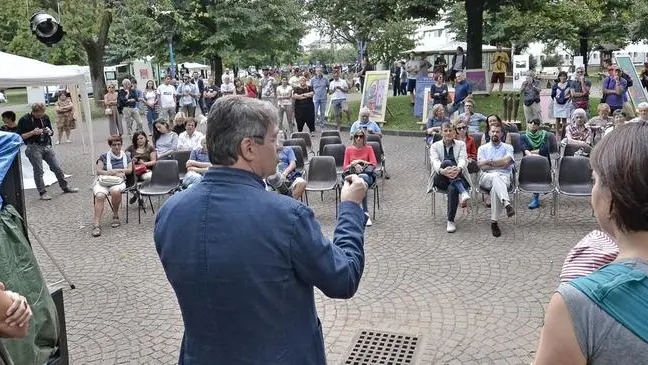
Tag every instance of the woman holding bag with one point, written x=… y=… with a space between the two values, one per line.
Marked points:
x=112 y=168
x=144 y=158
x=360 y=159
x=110 y=103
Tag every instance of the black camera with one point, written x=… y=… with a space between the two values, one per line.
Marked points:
x=46 y=28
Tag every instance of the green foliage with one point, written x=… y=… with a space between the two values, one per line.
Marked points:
x=553 y=60
x=16 y=37
x=391 y=39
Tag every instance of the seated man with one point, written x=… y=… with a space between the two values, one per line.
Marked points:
x=495 y=159
x=535 y=142
x=450 y=171
x=642 y=110
x=577 y=135
x=365 y=123
x=197 y=165
x=287 y=180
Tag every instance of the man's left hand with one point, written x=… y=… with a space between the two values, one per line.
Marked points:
x=19 y=313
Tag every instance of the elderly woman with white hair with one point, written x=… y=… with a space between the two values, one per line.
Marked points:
x=642 y=110
x=127 y=101
x=365 y=123
x=577 y=134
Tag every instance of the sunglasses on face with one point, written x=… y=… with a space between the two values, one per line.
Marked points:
x=536 y=123
x=461 y=128
x=360 y=136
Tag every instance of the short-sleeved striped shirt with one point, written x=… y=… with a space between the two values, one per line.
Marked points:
x=593 y=251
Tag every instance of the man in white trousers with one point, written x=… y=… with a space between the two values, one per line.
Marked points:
x=495 y=160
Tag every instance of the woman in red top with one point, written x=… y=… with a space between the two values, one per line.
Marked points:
x=250 y=88
x=461 y=129
x=356 y=158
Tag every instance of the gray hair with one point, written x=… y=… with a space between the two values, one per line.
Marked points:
x=126 y=82
x=233 y=118
x=365 y=111
x=578 y=112
x=643 y=105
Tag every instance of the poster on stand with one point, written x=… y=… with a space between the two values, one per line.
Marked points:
x=374 y=94
x=422 y=83
x=477 y=77
x=637 y=93
x=520 y=68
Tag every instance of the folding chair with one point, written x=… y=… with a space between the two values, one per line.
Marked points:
x=336 y=151
x=328 y=140
x=165 y=181
x=535 y=177
x=306 y=137
x=331 y=134
x=574 y=179
x=322 y=176
x=298 y=142
x=182 y=157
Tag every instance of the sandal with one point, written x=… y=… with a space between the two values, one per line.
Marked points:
x=115 y=222
x=96 y=232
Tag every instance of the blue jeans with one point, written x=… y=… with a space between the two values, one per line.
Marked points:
x=454 y=107
x=336 y=105
x=320 y=112
x=191 y=178
x=369 y=179
x=151 y=117
x=453 y=188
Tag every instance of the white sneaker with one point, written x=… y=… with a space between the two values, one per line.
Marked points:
x=451 y=227
x=464 y=197
x=369 y=222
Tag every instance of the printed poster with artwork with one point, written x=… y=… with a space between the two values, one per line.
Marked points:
x=477 y=78
x=374 y=94
x=637 y=93
x=520 y=68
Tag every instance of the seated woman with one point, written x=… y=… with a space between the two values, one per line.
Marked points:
x=164 y=139
x=577 y=135
x=359 y=158
x=618 y=119
x=179 y=123
x=434 y=122
x=461 y=130
x=287 y=180
x=450 y=171
x=601 y=318
x=190 y=139
x=600 y=122
x=473 y=119
x=142 y=153
x=535 y=142
x=197 y=165
x=112 y=168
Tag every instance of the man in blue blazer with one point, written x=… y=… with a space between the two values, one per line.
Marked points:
x=244 y=261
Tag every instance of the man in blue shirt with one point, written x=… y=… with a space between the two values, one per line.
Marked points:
x=319 y=83
x=365 y=123
x=463 y=89
x=197 y=165
x=495 y=159
x=244 y=262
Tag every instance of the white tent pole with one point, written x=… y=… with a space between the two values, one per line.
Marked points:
x=88 y=120
x=74 y=91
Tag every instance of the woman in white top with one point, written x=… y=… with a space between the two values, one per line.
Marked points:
x=227 y=88
x=189 y=140
x=151 y=97
x=115 y=164
x=284 y=100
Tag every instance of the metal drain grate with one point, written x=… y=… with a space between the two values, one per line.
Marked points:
x=382 y=348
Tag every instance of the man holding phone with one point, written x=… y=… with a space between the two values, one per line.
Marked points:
x=36 y=130
x=365 y=123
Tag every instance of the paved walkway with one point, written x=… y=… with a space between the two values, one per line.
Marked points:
x=471 y=298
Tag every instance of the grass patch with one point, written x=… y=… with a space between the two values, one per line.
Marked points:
x=15 y=97
x=403 y=118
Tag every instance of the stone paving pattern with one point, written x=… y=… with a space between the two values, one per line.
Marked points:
x=472 y=298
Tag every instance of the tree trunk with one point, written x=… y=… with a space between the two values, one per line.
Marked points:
x=583 y=45
x=217 y=68
x=96 y=64
x=474 y=33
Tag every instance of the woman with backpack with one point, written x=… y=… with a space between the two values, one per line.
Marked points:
x=561 y=96
x=601 y=318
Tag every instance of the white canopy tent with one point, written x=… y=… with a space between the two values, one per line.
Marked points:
x=17 y=71
x=451 y=48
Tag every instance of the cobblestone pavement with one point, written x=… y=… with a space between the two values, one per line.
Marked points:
x=472 y=298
